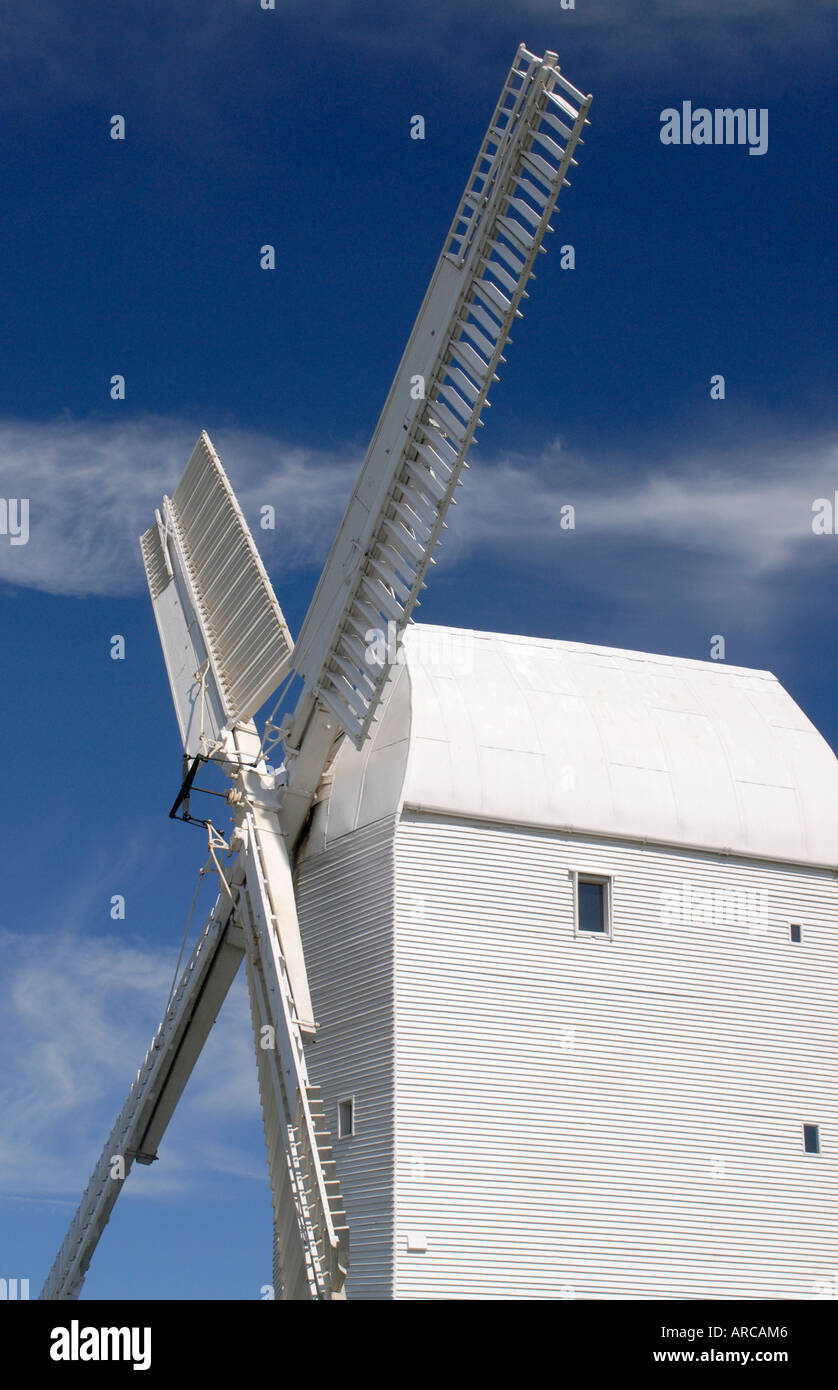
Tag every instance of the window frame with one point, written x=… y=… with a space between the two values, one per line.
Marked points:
x=578 y=876
x=799 y=927
x=812 y=1153
x=350 y=1101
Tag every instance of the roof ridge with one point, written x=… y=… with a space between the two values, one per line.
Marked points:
x=627 y=653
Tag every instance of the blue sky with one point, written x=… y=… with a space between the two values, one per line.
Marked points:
x=292 y=127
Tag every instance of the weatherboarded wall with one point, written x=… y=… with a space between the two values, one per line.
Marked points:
x=345 y=900
x=586 y=1118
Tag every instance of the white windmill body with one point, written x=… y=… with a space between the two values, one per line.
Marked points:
x=543 y=1109
x=482 y=1046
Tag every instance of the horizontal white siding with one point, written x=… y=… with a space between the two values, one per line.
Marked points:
x=583 y=1118
x=345 y=904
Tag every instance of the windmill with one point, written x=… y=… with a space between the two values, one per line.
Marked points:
x=227 y=648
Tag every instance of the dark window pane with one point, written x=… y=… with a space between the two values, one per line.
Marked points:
x=591 y=906
x=794 y=930
x=811 y=1139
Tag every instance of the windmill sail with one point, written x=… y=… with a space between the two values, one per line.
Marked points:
x=225 y=641
x=166 y=1068
x=214 y=604
x=377 y=565
x=311 y=1242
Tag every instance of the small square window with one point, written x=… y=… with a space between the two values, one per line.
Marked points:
x=592 y=905
x=795 y=934
x=811 y=1139
x=346 y=1117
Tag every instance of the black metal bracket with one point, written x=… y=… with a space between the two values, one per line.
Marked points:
x=182 y=798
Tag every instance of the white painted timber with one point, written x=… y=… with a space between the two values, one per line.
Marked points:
x=392 y=525
x=148 y=1108
x=545 y=1114
x=199 y=707
x=584 y=1118
x=255 y=914
x=564 y=1117
x=311 y=1241
x=345 y=906
x=216 y=611
x=592 y=739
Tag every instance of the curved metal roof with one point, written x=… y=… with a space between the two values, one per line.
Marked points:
x=595 y=740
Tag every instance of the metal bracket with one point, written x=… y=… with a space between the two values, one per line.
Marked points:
x=182 y=798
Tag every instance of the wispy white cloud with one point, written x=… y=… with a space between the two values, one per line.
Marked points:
x=76 y=1016
x=742 y=513
x=93 y=487
x=749 y=505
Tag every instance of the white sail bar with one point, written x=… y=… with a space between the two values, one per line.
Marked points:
x=501 y=131
x=392 y=526
x=225 y=640
x=257 y=917
x=311 y=1238
x=168 y=1064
